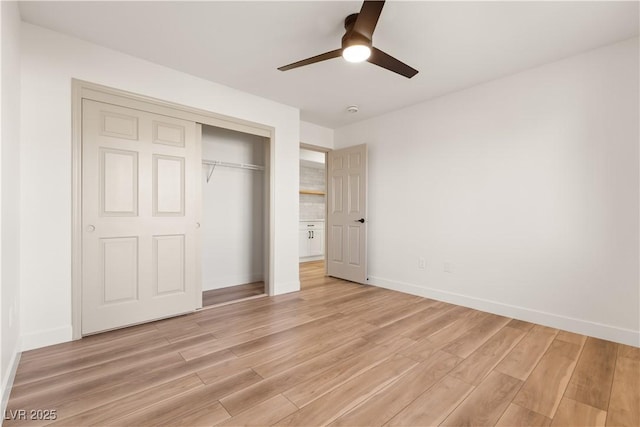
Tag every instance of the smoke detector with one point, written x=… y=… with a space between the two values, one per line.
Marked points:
x=352 y=109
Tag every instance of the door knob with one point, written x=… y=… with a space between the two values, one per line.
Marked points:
x=197 y=225
x=91 y=228
x=361 y=220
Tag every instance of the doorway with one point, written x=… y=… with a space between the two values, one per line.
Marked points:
x=313 y=206
x=344 y=224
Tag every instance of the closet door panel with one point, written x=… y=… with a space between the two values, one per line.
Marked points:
x=168 y=185
x=118 y=182
x=168 y=262
x=168 y=133
x=119 y=262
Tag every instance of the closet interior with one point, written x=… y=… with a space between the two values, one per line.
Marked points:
x=233 y=215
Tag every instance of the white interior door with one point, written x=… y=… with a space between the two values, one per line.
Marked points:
x=140 y=184
x=347 y=226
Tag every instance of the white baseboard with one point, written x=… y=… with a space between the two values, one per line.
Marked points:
x=225 y=282
x=285 y=288
x=47 y=337
x=585 y=327
x=7 y=384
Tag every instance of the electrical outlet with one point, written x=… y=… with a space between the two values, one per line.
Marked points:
x=422 y=263
x=448 y=267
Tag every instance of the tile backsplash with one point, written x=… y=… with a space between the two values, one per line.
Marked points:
x=312 y=177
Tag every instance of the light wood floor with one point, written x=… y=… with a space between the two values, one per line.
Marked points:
x=335 y=353
x=232 y=293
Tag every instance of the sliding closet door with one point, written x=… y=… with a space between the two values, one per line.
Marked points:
x=141 y=184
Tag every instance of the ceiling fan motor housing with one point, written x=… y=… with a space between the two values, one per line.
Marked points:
x=352 y=38
x=350 y=20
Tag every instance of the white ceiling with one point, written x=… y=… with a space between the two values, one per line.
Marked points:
x=454 y=45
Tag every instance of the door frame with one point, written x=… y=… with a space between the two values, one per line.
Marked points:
x=86 y=90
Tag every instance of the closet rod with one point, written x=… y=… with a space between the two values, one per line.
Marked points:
x=233 y=165
x=214 y=163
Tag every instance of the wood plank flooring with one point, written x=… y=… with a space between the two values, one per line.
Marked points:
x=232 y=293
x=335 y=353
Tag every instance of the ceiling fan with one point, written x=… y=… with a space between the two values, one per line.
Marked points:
x=357 y=43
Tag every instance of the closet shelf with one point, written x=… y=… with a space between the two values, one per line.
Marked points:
x=213 y=163
x=314 y=192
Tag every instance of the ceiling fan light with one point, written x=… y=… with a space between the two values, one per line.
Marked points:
x=356 y=53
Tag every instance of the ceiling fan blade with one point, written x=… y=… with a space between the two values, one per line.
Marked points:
x=387 y=61
x=368 y=18
x=318 y=58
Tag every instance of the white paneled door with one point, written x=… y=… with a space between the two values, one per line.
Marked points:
x=347 y=208
x=140 y=184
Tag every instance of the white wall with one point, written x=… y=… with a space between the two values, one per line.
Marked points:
x=313 y=134
x=10 y=196
x=232 y=210
x=312 y=156
x=49 y=61
x=526 y=187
